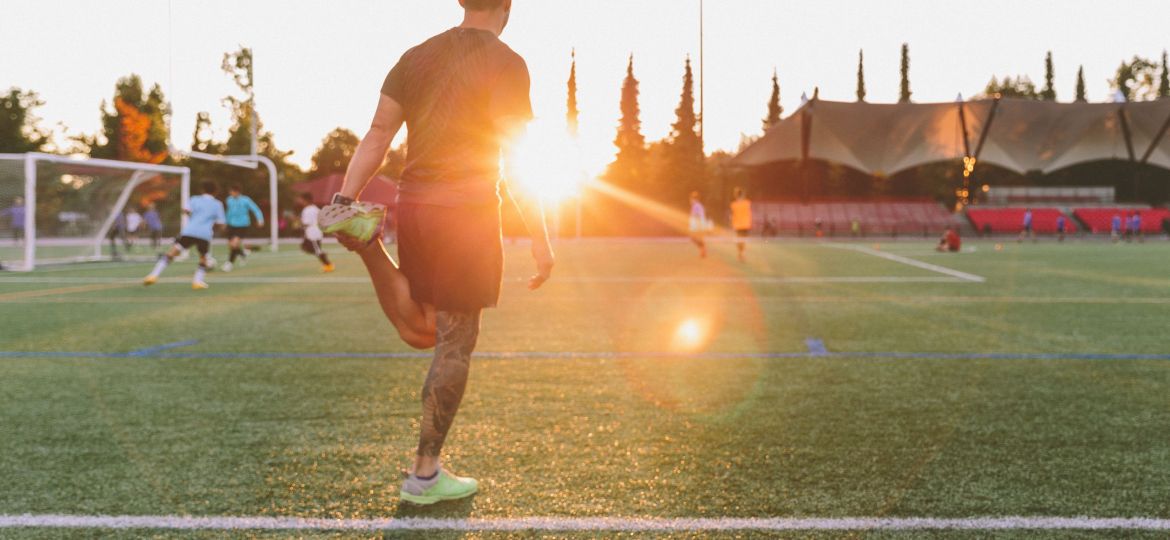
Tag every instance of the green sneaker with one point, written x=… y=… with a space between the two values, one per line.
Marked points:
x=444 y=487
x=360 y=220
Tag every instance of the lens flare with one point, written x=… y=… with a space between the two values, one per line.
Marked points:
x=690 y=335
x=545 y=162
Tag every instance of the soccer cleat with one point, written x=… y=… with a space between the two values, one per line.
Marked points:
x=199 y=285
x=446 y=487
x=149 y=280
x=227 y=266
x=361 y=220
x=325 y=269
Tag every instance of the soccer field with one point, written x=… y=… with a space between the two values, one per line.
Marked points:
x=813 y=383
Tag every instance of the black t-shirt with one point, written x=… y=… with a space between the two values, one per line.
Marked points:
x=458 y=90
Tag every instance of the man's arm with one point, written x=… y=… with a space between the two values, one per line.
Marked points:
x=531 y=211
x=371 y=152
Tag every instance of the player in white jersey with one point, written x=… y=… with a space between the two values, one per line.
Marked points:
x=698 y=223
x=312 y=232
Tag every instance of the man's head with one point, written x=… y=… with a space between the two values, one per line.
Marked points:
x=234 y=190
x=493 y=12
x=306 y=199
x=210 y=187
x=739 y=193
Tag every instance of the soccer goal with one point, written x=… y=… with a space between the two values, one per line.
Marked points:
x=57 y=209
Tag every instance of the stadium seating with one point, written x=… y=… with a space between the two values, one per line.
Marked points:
x=1011 y=220
x=1100 y=220
x=910 y=217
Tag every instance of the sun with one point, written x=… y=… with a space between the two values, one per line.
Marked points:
x=547 y=163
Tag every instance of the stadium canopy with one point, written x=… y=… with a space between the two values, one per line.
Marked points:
x=1017 y=134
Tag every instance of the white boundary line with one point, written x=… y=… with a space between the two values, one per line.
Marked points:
x=219 y=278
x=583 y=524
x=912 y=262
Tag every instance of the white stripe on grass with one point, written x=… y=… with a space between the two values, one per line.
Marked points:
x=583 y=524
x=912 y=262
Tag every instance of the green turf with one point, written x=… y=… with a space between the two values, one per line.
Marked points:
x=629 y=436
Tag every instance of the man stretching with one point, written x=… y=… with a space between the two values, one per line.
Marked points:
x=205 y=214
x=463 y=95
x=240 y=210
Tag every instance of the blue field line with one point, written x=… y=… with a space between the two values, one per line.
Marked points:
x=816 y=347
x=150 y=351
x=160 y=353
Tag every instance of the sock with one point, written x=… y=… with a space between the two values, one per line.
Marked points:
x=160 y=266
x=232 y=257
x=200 y=272
x=428 y=478
x=324 y=258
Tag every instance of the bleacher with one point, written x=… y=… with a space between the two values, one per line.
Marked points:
x=1100 y=220
x=913 y=217
x=1011 y=220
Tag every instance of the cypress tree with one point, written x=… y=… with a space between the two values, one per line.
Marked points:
x=861 y=75
x=1081 y=84
x=774 y=108
x=631 y=144
x=572 y=114
x=904 y=95
x=1049 y=91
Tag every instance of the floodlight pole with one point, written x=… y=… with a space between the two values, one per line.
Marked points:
x=702 y=116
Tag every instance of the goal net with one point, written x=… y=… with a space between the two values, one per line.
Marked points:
x=56 y=210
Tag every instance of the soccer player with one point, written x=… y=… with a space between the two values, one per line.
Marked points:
x=154 y=223
x=240 y=210
x=205 y=214
x=463 y=95
x=1061 y=226
x=1135 y=226
x=950 y=241
x=312 y=235
x=698 y=224
x=741 y=220
x=16 y=216
x=1026 y=230
x=1115 y=228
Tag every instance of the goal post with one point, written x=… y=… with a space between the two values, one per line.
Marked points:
x=58 y=209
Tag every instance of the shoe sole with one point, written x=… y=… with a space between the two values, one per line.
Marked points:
x=422 y=500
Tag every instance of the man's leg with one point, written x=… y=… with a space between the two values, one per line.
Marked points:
x=446 y=380
x=416 y=323
x=163 y=262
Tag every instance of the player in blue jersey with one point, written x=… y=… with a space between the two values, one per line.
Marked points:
x=205 y=213
x=240 y=210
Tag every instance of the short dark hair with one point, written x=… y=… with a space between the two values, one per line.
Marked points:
x=210 y=187
x=481 y=5
x=235 y=188
x=307 y=197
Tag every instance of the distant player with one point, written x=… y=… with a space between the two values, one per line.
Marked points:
x=133 y=223
x=950 y=241
x=1061 y=226
x=1135 y=226
x=312 y=235
x=16 y=216
x=698 y=224
x=741 y=220
x=1115 y=230
x=205 y=213
x=240 y=210
x=154 y=223
x=1026 y=229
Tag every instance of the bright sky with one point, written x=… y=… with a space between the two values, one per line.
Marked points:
x=320 y=63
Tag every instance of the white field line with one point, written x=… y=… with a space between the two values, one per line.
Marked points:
x=256 y=280
x=582 y=524
x=912 y=262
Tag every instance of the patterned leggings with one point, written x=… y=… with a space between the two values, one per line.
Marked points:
x=443 y=390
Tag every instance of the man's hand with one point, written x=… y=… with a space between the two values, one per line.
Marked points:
x=543 y=255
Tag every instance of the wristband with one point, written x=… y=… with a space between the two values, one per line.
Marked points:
x=341 y=199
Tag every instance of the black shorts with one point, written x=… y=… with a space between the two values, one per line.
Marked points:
x=453 y=257
x=742 y=233
x=185 y=242
x=237 y=232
